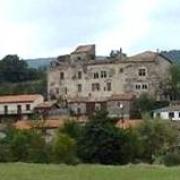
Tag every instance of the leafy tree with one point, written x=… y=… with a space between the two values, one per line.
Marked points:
x=71 y=128
x=156 y=137
x=102 y=142
x=14 y=70
x=143 y=104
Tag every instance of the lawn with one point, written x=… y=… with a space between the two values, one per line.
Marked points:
x=20 y=171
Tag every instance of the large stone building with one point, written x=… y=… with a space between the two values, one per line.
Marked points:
x=87 y=78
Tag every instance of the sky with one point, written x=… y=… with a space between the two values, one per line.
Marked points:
x=48 y=28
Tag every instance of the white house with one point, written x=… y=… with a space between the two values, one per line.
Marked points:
x=168 y=113
x=17 y=105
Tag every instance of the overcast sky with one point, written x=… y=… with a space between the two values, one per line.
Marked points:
x=45 y=28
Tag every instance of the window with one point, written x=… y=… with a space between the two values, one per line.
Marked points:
x=65 y=90
x=79 y=58
x=95 y=87
x=103 y=74
x=142 y=72
x=144 y=86
x=5 y=109
x=57 y=90
x=121 y=70
x=78 y=110
x=61 y=75
x=19 y=109
x=96 y=75
x=79 y=87
x=108 y=86
x=138 y=86
x=79 y=75
x=179 y=114
x=28 y=107
x=171 y=114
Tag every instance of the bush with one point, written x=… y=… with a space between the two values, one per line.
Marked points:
x=24 y=146
x=172 y=159
x=63 y=149
x=72 y=129
x=102 y=142
x=156 y=137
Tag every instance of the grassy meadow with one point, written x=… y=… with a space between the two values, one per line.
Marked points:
x=20 y=171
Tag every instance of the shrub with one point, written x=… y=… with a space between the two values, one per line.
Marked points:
x=102 y=142
x=72 y=129
x=156 y=137
x=172 y=159
x=63 y=149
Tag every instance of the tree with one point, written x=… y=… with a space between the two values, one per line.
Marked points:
x=144 y=104
x=156 y=137
x=71 y=128
x=63 y=149
x=14 y=70
x=102 y=142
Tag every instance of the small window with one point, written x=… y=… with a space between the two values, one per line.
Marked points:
x=171 y=114
x=79 y=58
x=144 y=86
x=108 y=86
x=19 y=109
x=61 y=75
x=142 y=72
x=78 y=110
x=79 y=86
x=96 y=75
x=121 y=70
x=57 y=90
x=5 y=109
x=28 y=107
x=79 y=75
x=95 y=87
x=103 y=74
x=138 y=86
x=65 y=90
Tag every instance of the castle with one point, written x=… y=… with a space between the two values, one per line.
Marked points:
x=88 y=82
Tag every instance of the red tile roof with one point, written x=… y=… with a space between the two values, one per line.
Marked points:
x=49 y=124
x=19 y=98
x=125 y=124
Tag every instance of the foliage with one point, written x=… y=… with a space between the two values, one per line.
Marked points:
x=63 y=149
x=156 y=137
x=25 y=146
x=72 y=129
x=17 y=78
x=102 y=142
x=172 y=159
x=144 y=103
x=171 y=86
x=12 y=69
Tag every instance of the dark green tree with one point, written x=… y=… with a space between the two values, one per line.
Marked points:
x=102 y=142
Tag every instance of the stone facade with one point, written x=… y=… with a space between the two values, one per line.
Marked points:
x=82 y=74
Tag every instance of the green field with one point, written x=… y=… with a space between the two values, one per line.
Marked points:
x=20 y=171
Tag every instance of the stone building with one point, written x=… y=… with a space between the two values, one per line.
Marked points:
x=87 y=78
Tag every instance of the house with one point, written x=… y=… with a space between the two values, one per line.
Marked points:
x=19 y=106
x=88 y=82
x=116 y=105
x=171 y=112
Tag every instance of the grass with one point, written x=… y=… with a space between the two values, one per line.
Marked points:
x=20 y=171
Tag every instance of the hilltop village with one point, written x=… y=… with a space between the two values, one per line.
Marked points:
x=81 y=83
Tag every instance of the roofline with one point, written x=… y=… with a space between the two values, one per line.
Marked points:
x=168 y=59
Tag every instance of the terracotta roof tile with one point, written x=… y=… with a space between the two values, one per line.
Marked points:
x=19 y=98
